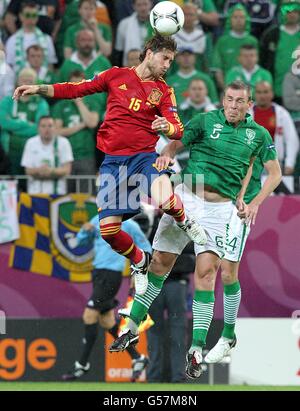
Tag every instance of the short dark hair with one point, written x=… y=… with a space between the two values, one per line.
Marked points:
x=44 y=118
x=87 y=1
x=77 y=73
x=28 y=3
x=158 y=43
x=35 y=47
x=239 y=85
x=248 y=47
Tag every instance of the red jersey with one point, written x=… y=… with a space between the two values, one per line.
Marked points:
x=131 y=107
x=266 y=117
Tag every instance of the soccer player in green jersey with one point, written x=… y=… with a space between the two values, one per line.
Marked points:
x=237 y=232
x=223 y=144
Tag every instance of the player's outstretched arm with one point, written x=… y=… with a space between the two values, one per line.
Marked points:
x=43 y=90
x=168 y=154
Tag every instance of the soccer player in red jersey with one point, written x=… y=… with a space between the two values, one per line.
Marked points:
x=139 y=106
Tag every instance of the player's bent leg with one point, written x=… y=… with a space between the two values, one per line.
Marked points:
x=171 y=204
x=207 y=265
x=122 y=243
x=232 y=299
x=82 y=366
x=142 y=303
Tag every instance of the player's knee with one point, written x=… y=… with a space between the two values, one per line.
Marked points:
x=205 y=278
x=90 y=316
x=162 y=262
x=228 y=277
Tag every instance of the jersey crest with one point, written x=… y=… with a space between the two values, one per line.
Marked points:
x=250 y=135
x=155 y=96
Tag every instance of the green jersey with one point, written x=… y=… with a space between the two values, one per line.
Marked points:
x=98 y=64
x=180 y=83
x=71 y=32
x=284 y=58
x=220 y=151
x=19 y=121
x=82 y=142
x=258 y=75
x=227 y=49
x=268 y=152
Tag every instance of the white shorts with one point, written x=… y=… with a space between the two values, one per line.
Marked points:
x=213 y=217
x=236 y=236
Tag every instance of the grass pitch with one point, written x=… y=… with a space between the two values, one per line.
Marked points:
x=80 y=386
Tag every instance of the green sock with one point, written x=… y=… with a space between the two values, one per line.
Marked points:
x=142 y=303
x=232 y=299
x=203 y=311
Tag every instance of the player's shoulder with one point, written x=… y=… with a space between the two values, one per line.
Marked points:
x=113 y=71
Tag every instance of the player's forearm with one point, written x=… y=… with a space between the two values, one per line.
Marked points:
x=45 y=90
x=245 y=183
x=171 y=149
x=271 y=182
x=175 y=131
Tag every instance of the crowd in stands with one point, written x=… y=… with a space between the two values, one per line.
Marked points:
x=47 y=41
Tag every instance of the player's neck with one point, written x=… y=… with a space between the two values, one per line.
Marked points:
x=144 y=73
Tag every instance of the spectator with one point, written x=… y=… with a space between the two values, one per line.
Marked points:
x=4 y=161
x=35 y=58
x=48 y=15
x=278 y=43
x=133 y=31
x=277 y=120
x=227 y=48
x=102 y=32
x=291 y=92
x=196 y=102
x=193 y=36
x=7 y=76
x=47 y=159
x=25 y=37
x=261 y=13
x=133 y=57
x=77 y=120
x=206 y=12
x=172 y=298
x=19 y=120
x=85 y=58
x=248 y=70
x=186 y=60
x=3 y=6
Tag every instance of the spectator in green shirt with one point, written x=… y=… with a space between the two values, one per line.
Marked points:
x=186 y=61
x=248 y=70
x=278 y=44
x=77 y=119
x=19 y=120
x=227 y=48
x=196 y=102
x=85 y=58
x=35 y=59
x=88 y=20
